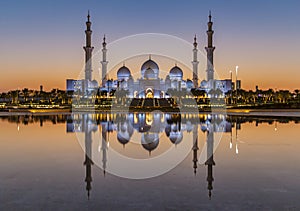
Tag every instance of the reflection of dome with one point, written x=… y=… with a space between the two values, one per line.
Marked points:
x=150 y=64
x=149 y=74
x=150 y=141
x=123 y=73
x=122 y=139
x=176 y=72
x=176 y=137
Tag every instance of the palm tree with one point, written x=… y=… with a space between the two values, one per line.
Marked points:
x=26 y=94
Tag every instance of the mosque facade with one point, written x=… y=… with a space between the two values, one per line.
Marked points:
x=149 y=84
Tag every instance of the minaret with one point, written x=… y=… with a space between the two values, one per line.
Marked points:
x=88 y=50
x=210 y=53
x=195 y=63
x=104 y=62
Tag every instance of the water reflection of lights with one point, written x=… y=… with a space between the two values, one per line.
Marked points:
x=236 y=149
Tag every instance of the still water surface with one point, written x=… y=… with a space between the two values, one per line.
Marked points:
x=45 y=162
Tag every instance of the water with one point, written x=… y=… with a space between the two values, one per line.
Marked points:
x=45 y=164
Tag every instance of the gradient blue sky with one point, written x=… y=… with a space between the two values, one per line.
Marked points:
x=41 y=41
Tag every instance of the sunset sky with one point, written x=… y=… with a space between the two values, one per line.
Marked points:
x=41 y=41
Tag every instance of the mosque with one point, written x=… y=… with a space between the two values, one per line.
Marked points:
x=149 y=85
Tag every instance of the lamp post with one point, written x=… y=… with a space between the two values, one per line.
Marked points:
x=231 y=87
x=236 y=79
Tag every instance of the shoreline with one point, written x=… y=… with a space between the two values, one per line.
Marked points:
x=229 y=111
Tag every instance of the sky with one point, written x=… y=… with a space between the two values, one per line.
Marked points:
x=42 y=41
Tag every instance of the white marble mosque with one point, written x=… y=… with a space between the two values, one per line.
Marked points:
x=150 y=84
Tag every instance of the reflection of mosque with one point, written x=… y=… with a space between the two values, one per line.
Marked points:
x=150 y=125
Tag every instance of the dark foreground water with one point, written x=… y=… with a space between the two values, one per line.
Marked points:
x=45 y=162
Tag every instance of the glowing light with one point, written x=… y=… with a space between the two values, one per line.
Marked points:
x=236 y=149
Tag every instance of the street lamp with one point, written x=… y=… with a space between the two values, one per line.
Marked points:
x=236 y=79
x=231 y=87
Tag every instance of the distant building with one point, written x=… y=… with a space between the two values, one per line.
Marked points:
x=81 y=85
x=223 y=85
x=73 y=85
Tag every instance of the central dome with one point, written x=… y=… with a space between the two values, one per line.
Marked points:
x=150 y=64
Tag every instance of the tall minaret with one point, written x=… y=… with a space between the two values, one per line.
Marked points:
x=88 y=50
x=210 y=52
x=195 y=63
x=104 y=147
x=104 y=62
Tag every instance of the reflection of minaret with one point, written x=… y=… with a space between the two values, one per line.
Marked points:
x=210 y=160
x=104 y=62
x=195 y=63
x=88 y=50
x=104 y=148
x=210 y=53
x=195 y=148
x=88 y=155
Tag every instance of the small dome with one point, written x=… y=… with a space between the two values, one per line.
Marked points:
x=203 y=83
x=176 y=72
x=189 y=83
x=150 y=64
x=123 y=72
